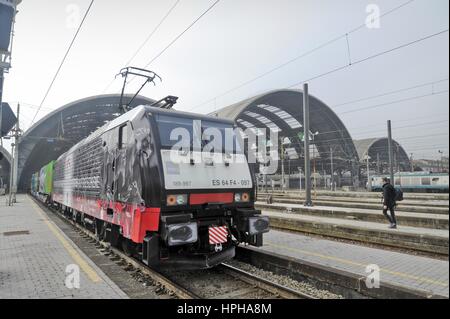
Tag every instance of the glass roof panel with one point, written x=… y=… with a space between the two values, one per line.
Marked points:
x=289 y=119
x=264 y=120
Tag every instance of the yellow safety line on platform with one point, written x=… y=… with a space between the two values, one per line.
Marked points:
x=354 y=263
x=90 y=272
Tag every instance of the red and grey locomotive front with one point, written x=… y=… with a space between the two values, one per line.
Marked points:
x=166 y=192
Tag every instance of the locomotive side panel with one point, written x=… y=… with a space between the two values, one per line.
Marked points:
x=101 y=177
x=77 y=175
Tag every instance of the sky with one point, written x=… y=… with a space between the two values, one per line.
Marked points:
x=240 y=40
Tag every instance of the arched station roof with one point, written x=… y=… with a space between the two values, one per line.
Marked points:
x=378 y=151
x=5 y=164
x=282 y=110
x=5 y=154
x=54 y=134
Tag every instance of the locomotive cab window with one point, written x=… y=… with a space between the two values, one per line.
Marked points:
x=181 y=131
x=123 y=136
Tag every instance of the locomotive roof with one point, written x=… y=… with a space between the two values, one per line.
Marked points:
x=155 y=110
x=130 y=115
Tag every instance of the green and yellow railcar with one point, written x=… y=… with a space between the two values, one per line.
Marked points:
x=46 y=179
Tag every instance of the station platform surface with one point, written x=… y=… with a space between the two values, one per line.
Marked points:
x=358 y=200
x=428 y=220
x=360 y=194
x=398 y=269
x=362 y=224
x=35 y=254
x=401 y=207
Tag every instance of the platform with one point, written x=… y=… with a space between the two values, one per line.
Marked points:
x=35 y=254
x=426 y=207
x=426 y=220
x=397 y=269
x=360 y=194
x=414 y=238
x=369 y=200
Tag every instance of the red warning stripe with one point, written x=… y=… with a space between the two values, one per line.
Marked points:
x=218 y=235
x=200 y=199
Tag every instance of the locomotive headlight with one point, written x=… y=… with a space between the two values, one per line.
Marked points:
x=177 y=200
x=258 y=225
x=241 y=197
x=179 y=234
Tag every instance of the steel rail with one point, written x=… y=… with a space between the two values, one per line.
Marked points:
x=272 y=287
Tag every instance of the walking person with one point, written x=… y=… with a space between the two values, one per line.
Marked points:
x=389 y=203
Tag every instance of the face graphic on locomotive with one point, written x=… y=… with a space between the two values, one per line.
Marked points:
x=174 y=188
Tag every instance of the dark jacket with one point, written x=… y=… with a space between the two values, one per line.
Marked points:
x=389 y=195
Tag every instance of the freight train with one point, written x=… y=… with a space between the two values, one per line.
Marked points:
x=185 y=207
x=42 y=182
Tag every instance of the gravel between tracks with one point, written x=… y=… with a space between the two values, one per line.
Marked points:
x=302 y=286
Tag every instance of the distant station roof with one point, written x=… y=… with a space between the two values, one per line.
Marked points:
x=282 y=111
x=378 y=150
x=5 y=165
x=54 y=134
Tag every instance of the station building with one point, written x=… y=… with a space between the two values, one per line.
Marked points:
x=333 y=151
x=332 y=147
x=376 y=149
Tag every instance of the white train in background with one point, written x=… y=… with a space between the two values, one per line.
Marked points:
x=424 y=182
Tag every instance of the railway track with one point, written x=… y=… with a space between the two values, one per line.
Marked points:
x=222 y=282
x=274 y=288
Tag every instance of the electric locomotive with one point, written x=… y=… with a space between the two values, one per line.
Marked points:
x=144 y=181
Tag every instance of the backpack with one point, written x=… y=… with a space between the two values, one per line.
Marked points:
x=398 y=195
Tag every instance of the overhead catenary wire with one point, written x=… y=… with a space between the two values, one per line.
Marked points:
x=396 y=128
x=147 y=39
x=179 y=36
x=313 y=111
x=305 y=54
x=373 y=131
x=388 y=93
x=382 y=150
x=374 y=56
x=321 y=142
x=63 y=60
x=182 y=33
x=393 y=102
x=153 y=32
x=371 y=57
x=383 y=124
x=318 y=141
x=30 y=105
